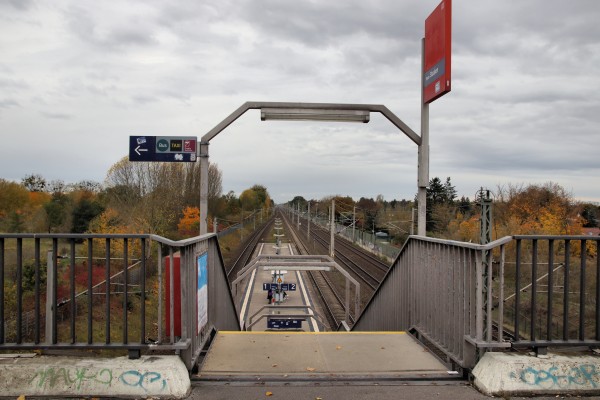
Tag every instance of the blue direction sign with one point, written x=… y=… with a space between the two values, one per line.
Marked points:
x=288 y=287
x=267 y=286
x=163 y=148
x=284 y=323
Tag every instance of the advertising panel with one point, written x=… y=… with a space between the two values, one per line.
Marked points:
x=202 y=294
x=438 y=40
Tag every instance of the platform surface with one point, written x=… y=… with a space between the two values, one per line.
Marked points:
x=319 y=355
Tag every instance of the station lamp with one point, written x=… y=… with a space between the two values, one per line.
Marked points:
x=314 y=114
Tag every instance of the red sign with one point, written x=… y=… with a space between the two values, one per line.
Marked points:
x=189 y=146
x=438 y=40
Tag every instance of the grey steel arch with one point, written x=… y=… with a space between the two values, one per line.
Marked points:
x=421 y=141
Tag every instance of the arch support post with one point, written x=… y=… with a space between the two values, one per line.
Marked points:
x=203 y=155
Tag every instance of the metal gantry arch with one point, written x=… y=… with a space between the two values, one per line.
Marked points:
x=321 y=112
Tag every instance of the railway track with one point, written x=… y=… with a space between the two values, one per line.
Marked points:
x=366 y=268
x=248 y=249
x=329 y=286
x=331 y=301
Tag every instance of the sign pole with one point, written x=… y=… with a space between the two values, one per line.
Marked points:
x=423 y=159
x=203 y=187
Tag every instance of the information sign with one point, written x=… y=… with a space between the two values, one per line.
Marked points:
x=271 y=286
x=288 y=287
x=284 y=323
x=437 y=63
x=163 y=148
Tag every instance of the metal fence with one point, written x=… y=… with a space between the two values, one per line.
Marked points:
x=365 y=239
x=112 y=292
x=520 y=291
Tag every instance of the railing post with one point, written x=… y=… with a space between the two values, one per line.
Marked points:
x=50 y=297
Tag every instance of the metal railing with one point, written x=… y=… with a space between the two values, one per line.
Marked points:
x=527 y=292
x=110 y=292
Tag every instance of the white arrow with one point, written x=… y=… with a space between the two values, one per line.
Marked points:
x=137 y=150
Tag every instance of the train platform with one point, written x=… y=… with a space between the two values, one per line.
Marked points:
x=258 y=313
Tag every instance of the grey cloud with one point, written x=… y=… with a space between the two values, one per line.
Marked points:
x=21 y=5
x=115 y=34
x=6 y=103
x=54 y=115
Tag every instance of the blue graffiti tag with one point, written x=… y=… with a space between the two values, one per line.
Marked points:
x=585 y=374
x=137 y=379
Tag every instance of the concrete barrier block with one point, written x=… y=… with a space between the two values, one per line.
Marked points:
x=48 y=376
x=511 y=374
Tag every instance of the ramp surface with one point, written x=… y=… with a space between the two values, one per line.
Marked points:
x=325 y=355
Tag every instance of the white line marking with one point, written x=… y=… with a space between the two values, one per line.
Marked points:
x=310 y=311
x=249 y=289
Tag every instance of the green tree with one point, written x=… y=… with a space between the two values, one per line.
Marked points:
x=56 y=210
x=590 y=214
x=84 y=212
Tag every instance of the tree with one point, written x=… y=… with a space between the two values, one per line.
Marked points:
x=535 y=209
x=590 y=213
x=34 y=183
x=369 y=209
x=13 y=197
x=152 y=195
x=249 y=200
x=440 y=204
x=449 y=191
x=56 y=211
x=189 y=224
x=84 y=212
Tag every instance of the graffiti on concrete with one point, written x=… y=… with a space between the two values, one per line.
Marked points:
x=74 y=377
x=553 y=377
x=146 y=381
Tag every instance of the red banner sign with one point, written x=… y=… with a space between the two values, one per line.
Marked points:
x=438 y=40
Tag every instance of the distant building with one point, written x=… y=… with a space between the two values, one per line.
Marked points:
x=591 y=231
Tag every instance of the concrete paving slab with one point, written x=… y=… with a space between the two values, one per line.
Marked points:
x=325 y=354
x=49 y=376
x=511 y=374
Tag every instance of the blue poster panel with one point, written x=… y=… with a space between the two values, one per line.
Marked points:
x=202 y=294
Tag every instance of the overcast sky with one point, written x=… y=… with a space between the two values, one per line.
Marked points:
x=77 y=78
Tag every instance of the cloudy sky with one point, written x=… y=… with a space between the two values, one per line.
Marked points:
x=78 y=77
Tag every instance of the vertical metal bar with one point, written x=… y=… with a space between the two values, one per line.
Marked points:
x=501 y=294
x=462 y=296
x=107 y=294
x=489 y=308
x=517 y=290
x=1 y=290
x=597 y=290
x=125 y=284
x=566 y=290
x=185 y=279
x=582 y=290
x=54 y=290
x=50 y=303
x=550 y=288
x=479 y=296
x=143 y=296
x=172 y=294
x=19 y=290
x=423 y=155
x=72 y=288
x=159 y=263
x=533 y=311
x=37 y=291
x=472 y=279
x=90 y=295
